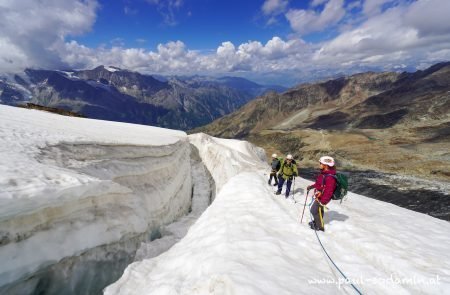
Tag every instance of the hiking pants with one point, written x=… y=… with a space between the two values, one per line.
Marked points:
x=274 y=175
x=317 y=211
x=288 y=185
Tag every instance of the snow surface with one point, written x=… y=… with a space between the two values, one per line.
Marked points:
x=250 y=241
x=70 y=184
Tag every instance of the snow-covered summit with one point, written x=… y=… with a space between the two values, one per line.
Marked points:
x=112 y=69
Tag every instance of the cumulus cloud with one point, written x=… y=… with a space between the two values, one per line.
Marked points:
x=175 y=58
x=30 y=30
x=428 y=17
x=172 y=57
x=407 y=33
x=404 y=33
x=308 y=21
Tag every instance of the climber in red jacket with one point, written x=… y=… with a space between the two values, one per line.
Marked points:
x=323 y=191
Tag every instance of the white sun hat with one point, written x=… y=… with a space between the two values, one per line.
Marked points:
x=327 y=160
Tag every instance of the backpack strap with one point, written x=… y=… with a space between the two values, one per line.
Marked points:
x=323 y=179
x=325 y=175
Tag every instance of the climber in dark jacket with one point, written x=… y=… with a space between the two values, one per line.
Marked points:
x=276 y=164
x=323 y=191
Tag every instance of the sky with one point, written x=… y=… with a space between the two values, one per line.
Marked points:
x=268 y=41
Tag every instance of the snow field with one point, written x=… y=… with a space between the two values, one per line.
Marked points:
x=250 y=241
x=73 y=188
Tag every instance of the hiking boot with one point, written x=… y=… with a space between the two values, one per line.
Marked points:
x=278 y=193
x=316 y=228
x=276 y=184
x=312 y=225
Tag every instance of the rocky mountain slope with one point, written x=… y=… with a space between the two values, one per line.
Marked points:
x=396 y=122
x=119 y=95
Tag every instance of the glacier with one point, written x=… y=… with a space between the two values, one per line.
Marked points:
x=85 y=203
x=250 y=241
x=80 y=196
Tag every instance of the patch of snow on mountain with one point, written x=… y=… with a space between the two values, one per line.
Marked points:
x=112 y=69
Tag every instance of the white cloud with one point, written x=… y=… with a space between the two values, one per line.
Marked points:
x=167 y=9
x=30 y=30
x=175 y=58
x=372 y=7
x=354 y=4
x=308 y=21
x=404 y=33
x=429 y=17
x=410 y=33
x=315 y=3
x=274 y=7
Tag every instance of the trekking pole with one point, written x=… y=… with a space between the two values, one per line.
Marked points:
x=293 y=191
x=304 y=206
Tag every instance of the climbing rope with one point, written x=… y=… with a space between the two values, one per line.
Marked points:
x=326 y=253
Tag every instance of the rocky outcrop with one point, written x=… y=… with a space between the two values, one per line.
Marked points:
x=303 y=106
x=127 y=82
x=361 y=119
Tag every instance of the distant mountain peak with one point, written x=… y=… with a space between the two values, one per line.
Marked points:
x=112 y=93
x=112 y=68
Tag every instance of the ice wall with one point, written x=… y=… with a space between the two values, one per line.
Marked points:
x=75 y=208
x=225 y=158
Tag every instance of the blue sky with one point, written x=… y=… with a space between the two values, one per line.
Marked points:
x=200 y=24
x=268 y=41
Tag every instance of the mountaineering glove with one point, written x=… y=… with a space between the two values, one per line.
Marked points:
x=310 y=187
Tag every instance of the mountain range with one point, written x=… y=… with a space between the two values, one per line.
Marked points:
x=115 y=94
x=391 y=122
